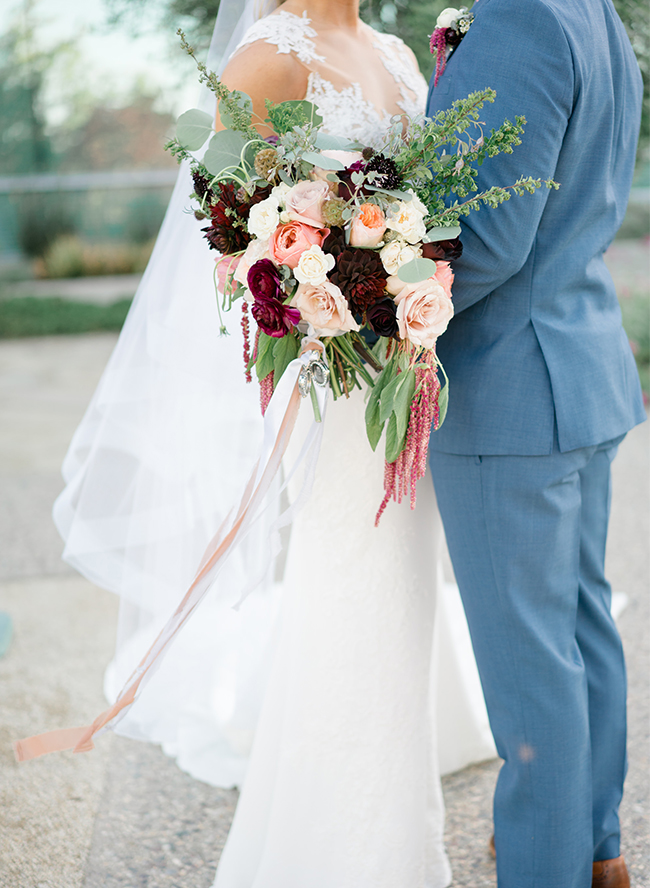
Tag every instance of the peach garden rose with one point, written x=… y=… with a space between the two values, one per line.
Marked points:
x=288 y=242
x=368 y=226
x=423 y=312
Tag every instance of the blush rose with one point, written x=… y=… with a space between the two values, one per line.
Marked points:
x=423 y=312
x=304 y=202
x=325 y=309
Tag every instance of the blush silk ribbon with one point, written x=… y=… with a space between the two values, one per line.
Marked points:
x=279 y=422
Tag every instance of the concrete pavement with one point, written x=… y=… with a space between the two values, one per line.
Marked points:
x=125 y=815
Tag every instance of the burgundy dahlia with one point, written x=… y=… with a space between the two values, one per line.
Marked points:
x=274 y=318
x=382 y=317
x=361 y=277
x=388 y=176
x=228 y=232
x=264 y=280
x=445 y=250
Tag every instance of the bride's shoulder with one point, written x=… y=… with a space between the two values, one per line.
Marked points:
x=287 y=32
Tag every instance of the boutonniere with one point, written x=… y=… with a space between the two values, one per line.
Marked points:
x=451 y=26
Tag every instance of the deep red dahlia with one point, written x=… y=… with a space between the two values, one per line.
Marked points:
x=361 y=277
x=228 y=231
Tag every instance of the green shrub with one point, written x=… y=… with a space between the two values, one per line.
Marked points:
x=30 y=316
x=636 y=320
x=70 y=257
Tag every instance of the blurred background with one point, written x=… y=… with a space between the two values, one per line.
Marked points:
x=90 y=93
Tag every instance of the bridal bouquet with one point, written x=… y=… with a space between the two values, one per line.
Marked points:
x=346 y=243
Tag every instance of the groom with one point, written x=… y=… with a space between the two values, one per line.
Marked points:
x=543 y=389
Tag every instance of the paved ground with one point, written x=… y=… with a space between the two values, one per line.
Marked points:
x=125 y=815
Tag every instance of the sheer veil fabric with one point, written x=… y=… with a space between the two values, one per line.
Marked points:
x=160 y=457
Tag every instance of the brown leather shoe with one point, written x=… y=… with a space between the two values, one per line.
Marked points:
x=492 y=848
x=610 y=874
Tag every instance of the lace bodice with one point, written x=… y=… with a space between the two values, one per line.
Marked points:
x=346 y=110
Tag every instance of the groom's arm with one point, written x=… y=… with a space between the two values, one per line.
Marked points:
x=518 y=48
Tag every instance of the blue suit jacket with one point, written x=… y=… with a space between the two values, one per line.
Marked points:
x=537 y=337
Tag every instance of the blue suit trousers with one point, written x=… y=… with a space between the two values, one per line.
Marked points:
x=526 y=535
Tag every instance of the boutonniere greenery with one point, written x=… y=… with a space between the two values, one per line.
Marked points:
x=451 y=26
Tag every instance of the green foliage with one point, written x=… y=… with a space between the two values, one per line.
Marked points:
x=287 y=115
x=30 y=316
x=636 y=320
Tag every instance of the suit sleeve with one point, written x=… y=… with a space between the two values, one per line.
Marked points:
x=518 y=48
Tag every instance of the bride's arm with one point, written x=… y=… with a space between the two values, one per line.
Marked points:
x=263 y=73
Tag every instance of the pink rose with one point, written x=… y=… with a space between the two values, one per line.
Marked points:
x=226 y=270
x=304 y=202
x=325 y=308
x=256 y=250
x=288 y=242
x=445 y=276
x=423 y=312
x=368 y=226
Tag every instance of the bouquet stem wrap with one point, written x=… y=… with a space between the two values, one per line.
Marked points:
x=279 y=422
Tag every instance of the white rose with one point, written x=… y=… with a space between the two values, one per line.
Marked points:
x=264 y=218
x=279 y=193
x=417 y=203
x=313 y=266
x=406 y=218
x=448 y=17
x=398 y=253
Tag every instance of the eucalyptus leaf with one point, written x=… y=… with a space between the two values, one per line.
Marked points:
x=224 y=152
x=417 y=270
x=194 y=128
x=447 y=232
x=391 y=192
x=328 y=142
x=319 y=160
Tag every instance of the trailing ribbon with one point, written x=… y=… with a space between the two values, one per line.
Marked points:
x=279 y=422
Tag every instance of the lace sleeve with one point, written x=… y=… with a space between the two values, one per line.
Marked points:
x=399 y=62
x=289 y=32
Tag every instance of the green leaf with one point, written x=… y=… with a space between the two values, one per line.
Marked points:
x=328 y=142
x=447 y=232
x=388 y=396
x=243 y=100
x=443 y=403
x=319 y=160
x=417 y=270
x=264 y=363
x=194 y=128
x=394 y=441
x=287 y=115
x=374 y=425
x=284 y=351
x=402 y=401
x=224 y=152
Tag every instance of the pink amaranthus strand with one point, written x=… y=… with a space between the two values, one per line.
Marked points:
x=402 y=475
x=266 y=391
x=438 y=44
x=245 y=326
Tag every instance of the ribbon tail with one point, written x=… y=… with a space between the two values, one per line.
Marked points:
x=278 y=427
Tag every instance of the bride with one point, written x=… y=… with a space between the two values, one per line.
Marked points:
x=342 y=783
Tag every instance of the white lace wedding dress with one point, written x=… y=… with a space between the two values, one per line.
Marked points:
x=343 y=784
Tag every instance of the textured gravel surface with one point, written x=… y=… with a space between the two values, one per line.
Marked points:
x=125 y=815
